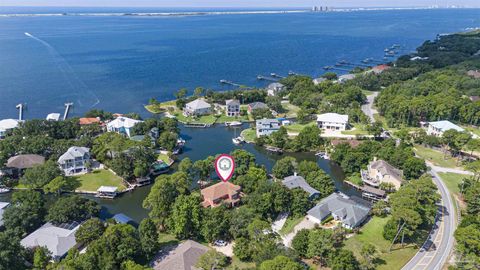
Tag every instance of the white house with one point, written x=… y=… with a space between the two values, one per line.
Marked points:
x=197 y=107
x=75 y=160
x=122 y=125
x=439 y=127
x=274 y=88
x=332 y=121
x=266 y=127
x=346 y=77
x=7 y=124
x=232 y=107
x=318 y=81
x=57 y=239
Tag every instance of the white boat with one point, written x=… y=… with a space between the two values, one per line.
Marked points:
x=232 y=124
x=322 y=155
x=4 y=190
x=238 y=140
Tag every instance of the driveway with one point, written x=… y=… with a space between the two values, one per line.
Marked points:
x=304 y=224
x=226 y=250
x=368 y=109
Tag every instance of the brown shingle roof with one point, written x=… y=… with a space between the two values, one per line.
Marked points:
x=219 y=190
x=385 y=168
x=89 y=121
x=352 y=143
x=25 y=161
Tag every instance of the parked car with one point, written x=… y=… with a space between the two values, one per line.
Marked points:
x=220 y=243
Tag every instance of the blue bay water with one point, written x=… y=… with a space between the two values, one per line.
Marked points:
x=118 y=62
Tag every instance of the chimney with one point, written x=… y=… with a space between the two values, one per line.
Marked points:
x=294 y=173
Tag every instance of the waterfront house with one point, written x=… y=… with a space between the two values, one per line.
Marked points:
x=332 y=121
x=439 y=127
x=6 y=125
x=107 y=192
x=380 y=68
x=346 y=77
x=85 y=121
x=197 y=107
x=350 y=211
x=53 y=117
x=296 y=181
x=318 y=81
x=266 y=127
x=122 y=125
x=232 y=107
x=474 y=74
x=256 y=106
x=221 y=193
x=274 y=88
x=380 y=171
x=75 y=160
x=182 y=257
x=57 y=239
x=3 y=206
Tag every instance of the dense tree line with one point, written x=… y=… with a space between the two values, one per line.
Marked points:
x=437 y=95
x=352 y=160
x=308 y=139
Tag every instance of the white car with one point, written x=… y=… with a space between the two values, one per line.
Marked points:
x=220 y=243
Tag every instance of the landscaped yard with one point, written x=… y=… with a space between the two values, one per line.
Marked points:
x=290 y=110
x=290 y=224
x=475 y=131
x=164 y=158
x=205 y=119
x=160 y=107
x=92 y=181
x=436 y=157
x=296 y=127
x=249 y=134
x=452 y=180
x=357 y=129
x=372 y=233
x=237 y=264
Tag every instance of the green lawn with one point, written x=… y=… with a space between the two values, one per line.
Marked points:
x=160 y=107
x=372 y=233
x=296 y=127
x=205 y=119
x=164 y=158
x=92 y=181
x=249 y=134
x=475 y=131
x=290 y=224
x=223 y=118
x=359 y=129
x=436 y=157
x=290 y=110
x=237 y=264
x=452 y=180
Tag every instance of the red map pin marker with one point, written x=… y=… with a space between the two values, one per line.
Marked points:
x=225 y=166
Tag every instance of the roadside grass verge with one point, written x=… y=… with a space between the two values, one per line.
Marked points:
x=372 y=233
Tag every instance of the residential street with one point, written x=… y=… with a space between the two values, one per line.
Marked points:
x=439 y=245
x=367 y=108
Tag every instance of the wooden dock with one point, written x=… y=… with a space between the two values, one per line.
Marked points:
x=274 y=149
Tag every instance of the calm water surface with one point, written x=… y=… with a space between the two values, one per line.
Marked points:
x=118 y=62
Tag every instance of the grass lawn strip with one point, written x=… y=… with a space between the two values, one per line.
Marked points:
x=372 y=233
x=436 y=157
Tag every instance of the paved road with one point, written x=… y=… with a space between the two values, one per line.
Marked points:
x=367 y=108
x=438 y=247
x=449 y=170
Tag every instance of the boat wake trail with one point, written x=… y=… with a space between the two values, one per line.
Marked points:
x=78 y=87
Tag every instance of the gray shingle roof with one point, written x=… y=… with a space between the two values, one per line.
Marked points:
x=183 y=257
x=386 y=169
x=56 y=239
x=232 y=102
x=198 y=104
x=296 y=181
x=354 y=210
x=257 y=105
x=73 y=152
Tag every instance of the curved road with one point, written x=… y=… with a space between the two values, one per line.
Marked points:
x=437 y=248
x=368 y=109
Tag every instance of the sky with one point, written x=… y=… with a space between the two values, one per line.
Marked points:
x=240 y=3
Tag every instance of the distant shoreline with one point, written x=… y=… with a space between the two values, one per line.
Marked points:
x=206 y=13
